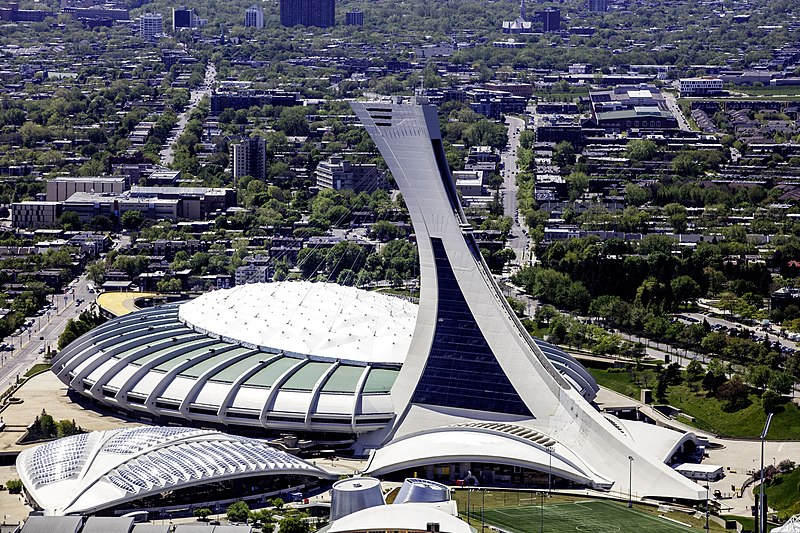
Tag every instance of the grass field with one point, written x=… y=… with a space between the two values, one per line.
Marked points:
x=532 y=512
x=783 y=493
x=596 y=516
x=708 y=412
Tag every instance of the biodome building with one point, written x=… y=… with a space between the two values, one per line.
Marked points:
x=455 y=380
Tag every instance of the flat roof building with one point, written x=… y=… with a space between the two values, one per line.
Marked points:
x=31 y=214
x=62 y=187
x=339 y=173
x=700 y=86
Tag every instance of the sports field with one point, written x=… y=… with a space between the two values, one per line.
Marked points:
x=596 y=516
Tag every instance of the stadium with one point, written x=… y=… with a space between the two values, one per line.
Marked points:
x=310 y=358
x=454 y=387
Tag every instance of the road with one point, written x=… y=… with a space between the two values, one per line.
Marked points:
x=673 y=106
x=518 y=239
x=30 y=346
x=167 y=153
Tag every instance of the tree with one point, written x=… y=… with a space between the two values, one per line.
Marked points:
x=781 y=382
x=694 y=371
x=277 y=503
x=292 y=121
x=170 y=285
x=564 y=154
x=203 y=513
x=70 y=221
x=770 y=400
x=684 y=289
x=758 y=376
x=294 y=524
x=735 y=394
x=238 y=512
x=14 y=486
x=641 y=150
x=131 y=219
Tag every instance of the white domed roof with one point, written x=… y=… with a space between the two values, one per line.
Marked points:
x=320 y=319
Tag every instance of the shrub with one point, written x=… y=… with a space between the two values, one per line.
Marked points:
x=14 y=486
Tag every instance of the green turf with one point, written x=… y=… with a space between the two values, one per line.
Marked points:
x=709 y=413
x=783 y=493
x=594 y=516
x=37 y=369
x=617 y=381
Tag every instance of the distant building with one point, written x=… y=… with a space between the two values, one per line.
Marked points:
x=354 y=18
x=61 y=188
x=597 y=6
x=700 y=86
x=12 y=13
x=321 y=13
x=252 y=274
x=248 y=158
x=151 y=26
x=338 y=173
x=630 y=107
x=494 y=104
x=96 y=13
x=35 y=214
x=550 y=19
x=220 y=101
x=182 y=17
x=254 y=17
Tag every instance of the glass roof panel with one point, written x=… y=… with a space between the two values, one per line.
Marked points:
x=171 y=347
x=197 y=370
x=142 y=341
x=344 y=379
x=229 y=374
x=169 y=364
x=307 y=376
x=380 y=380
x=266 y=376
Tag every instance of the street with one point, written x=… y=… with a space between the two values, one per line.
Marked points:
x=32 y=344
x=167 y=153
x=517 y=239
x=673 y=106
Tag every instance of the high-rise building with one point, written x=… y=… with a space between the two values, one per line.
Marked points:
x=550 y=19
x=248 y=158
x=151 y=26
x=182 y=17
x=597 y=6
x=254 y=17
x=354 y=18
x=321 y=13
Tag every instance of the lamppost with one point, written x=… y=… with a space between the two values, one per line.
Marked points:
x=550 y=471
x=762 y=512
x=541 y=512
x=469 y=491
x=630 y=481
x=483 y=502
x=706 y=505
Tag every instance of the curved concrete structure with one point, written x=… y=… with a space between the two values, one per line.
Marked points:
x=94 y=471
x=471 y=360
x=323 y=358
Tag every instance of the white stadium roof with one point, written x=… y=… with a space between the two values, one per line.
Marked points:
x=92 y=471
x=322 y=358
x=321 y=319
